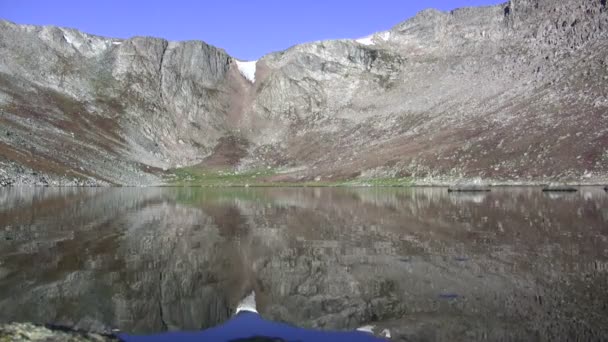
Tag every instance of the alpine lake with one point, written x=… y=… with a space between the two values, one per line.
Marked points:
x=513 y=264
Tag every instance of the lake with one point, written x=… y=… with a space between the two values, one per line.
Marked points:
x=513 y=264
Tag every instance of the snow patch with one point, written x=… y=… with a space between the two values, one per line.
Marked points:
x=247 y=69
x=366 y=40
x=384 y=35
x=116 y=43
x=86 y=44
x=72 y=39
x=372 y=39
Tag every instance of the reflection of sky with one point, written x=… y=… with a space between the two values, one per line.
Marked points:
x=248 y=324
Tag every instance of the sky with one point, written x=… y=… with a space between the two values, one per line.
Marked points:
x=246 y=29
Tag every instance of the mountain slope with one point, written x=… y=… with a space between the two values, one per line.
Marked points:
x=515 y=92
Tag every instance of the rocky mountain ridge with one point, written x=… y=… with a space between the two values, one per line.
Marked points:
x=508 y=93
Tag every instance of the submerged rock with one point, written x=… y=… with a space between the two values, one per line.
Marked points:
x=469 y=188
x=559 y=188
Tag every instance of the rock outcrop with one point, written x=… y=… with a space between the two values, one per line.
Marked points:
x=514 y=92
x=34 y=333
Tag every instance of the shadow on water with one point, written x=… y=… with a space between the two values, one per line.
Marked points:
x=513 y=264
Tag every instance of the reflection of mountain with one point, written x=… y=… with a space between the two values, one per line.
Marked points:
x=516 y=265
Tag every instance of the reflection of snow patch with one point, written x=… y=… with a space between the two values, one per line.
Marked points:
x=247 y=69
x=468 y=197
x=367 y=328
x=247 y=304
x=555 y=196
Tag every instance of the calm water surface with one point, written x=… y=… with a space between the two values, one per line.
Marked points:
x=514 y=264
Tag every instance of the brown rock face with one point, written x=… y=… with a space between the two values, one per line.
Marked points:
x=514 y=92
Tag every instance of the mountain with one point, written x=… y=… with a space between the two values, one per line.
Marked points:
x=427 y=265
x=508 y=93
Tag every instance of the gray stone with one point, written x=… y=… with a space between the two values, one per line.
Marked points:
x=34 y=333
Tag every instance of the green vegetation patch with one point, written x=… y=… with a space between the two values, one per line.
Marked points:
x=196 y=196
x=383 y=182
x=193 y=176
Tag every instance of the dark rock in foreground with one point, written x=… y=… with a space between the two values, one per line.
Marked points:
x=31 y=332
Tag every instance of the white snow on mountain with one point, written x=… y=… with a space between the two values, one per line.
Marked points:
x=366 y=40
x=247 y=69
x=384 y=35
x=374 y=38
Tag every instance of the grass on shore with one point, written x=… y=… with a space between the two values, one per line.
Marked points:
x=193 y=176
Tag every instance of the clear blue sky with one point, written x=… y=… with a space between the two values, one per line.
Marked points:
x=247 y=29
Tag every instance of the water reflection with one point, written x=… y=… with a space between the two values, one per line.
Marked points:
x=514 y=264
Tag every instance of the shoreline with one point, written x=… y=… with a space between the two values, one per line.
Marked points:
x=297 y=185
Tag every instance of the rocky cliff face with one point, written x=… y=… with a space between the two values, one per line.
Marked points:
x=515 y=92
